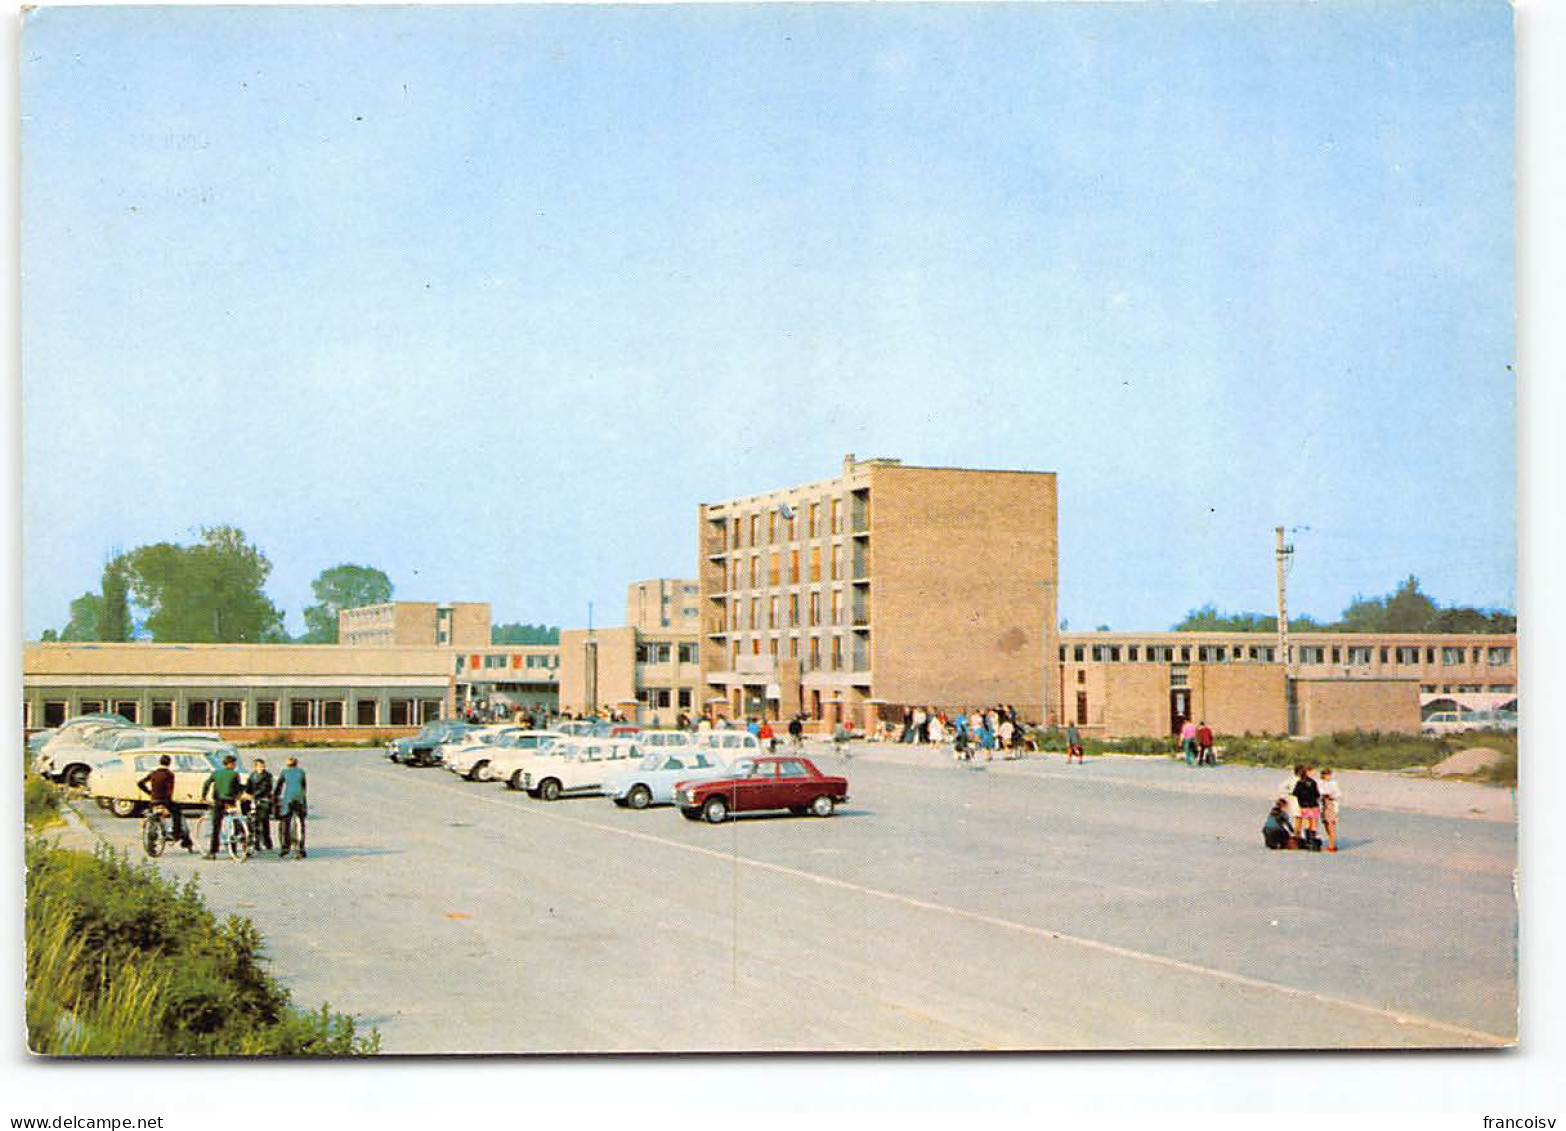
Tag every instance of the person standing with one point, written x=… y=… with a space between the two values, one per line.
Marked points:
x=159 y=786
x=224 y=786
x=259 y=786
x=1188 y=741
x=1073 y=743
x=289 y=800
x=765 y=736
x=1204 y=745
x=796 y=733
x=1331 y=792
x=1308 y=794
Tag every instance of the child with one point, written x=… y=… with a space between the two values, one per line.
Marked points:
x=1308 y=794
x=1330 y=792
x=1278 y=831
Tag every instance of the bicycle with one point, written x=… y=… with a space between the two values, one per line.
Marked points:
x=233 y=834
x=157 y=831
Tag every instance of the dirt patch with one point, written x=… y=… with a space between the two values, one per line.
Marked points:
x=1464 y=762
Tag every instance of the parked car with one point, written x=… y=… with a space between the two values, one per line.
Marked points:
x=420 y=749
x=70 y=734
x=575 y=765
x=113 y=782
x=469 y=755
x=768 y=782
x=653 y=780
x=661 y=739
x=70 y=756
x=511 y=751
x=734 y=743
x=1456 y=722
x=595 y=728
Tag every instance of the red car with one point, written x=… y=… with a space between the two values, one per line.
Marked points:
x=780 y=782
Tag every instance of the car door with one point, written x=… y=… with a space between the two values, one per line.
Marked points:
x=756 y=789
x=795 y=785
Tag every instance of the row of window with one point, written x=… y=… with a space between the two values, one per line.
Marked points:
x=1461 y=688
x=766 y=528
x=1353 y=655
x=749 y=572
x=661 y=697
x=838 y=655
x=782 y=611
x=654 y=653
x=204 y=713
x=502 y=661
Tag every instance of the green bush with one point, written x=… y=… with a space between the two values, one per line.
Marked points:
x=40 y=802
x=122 y=962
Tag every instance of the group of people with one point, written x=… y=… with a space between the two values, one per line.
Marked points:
x=1196 y=743
x=260 y=796
x=1305 y=805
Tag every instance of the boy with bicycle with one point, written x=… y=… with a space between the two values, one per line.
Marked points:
x=159 y=786
x=225 y=787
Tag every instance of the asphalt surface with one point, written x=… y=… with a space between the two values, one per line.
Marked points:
x=1024 y=905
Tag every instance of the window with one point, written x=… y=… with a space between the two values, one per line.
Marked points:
x=755 y=526
x=1100 y=653
x=755 y=570
x=1131 y=653
x=1408 y=655
x=837 y=653
x=1082 y=710
x=401 y=712
x=1504 y=688
x=772 y=532
x=54 y=712
x=772 y=612
x=1429 y=655
x=815 y=563
x=736 y=536
x=1114 y=653
x=1179 y=677
x=92 y=706
x=815 y=520
x=1081 y=676
x=734 y=574
x=755 y=646
x=300 y=712
x=1312 y=654
x=793 y=647
x=366 y=712
x=1359 y=656
x=734 y=655
x=231 y=713
x=793 y=610
x=1337 y=655
x=1384 y=653
x=755 y=612
x=685 y=697
x=198 y=713
x=332 y=713
x=429 y=710
x=837 y=563
x=772 y=647
x=1450 y=657
x=688 y=653
x=793 y=567
x=127 y=709
x=162 y=712
x=1077 y=653
x=773 y=569
x=492 y=662
x=1062 y=653
x=815 y=651
x=1499 y=656
x=815 y=608
x=837 y=606
x=1185 y=653
x=837 y=518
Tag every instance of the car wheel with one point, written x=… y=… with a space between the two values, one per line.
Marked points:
x=124 y=807
x=691 y=814
x=102 y=803
x=715 y=810
x=549 y=789
x=478 y=768
x=75 y=776
x=822 y=806
x=639 y=798
x=515 y=780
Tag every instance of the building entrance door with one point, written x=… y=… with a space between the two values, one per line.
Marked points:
x=1179 y=708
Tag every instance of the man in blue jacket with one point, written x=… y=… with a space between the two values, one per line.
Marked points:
x=289 y=797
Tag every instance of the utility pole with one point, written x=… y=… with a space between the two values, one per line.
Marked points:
x=1284 y=552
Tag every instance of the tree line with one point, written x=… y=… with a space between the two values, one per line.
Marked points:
x=1405 y=609
x=214 y=591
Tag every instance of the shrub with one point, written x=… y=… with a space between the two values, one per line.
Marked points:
x=40 y=802
x=121 y=961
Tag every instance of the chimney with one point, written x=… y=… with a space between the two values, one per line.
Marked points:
x=848 y=464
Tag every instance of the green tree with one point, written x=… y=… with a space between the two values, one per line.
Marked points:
x=116 y=620
x=524 y=634
x=342 y=587
x=209 y=592
x=86 y=617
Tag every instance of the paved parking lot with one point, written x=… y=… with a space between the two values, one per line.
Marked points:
x=1028 y=905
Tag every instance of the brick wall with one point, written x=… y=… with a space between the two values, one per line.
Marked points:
x=1240 y=698
x=1326 y=706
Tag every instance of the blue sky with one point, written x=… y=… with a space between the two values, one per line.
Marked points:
x=492 y=298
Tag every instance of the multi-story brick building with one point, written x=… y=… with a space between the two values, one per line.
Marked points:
x=663 y=603
x=887 y=585
x=416 y=624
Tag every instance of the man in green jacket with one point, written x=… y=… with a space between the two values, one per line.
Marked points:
x=225 y=787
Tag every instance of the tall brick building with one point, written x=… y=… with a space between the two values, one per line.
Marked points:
x=887 y=585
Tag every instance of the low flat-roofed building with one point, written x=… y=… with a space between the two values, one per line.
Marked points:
x=243 y=690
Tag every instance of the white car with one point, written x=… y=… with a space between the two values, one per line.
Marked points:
x=469 y=756
x=653 y=780
x=508 y=752
x=70 y=756
x=733 y=743
x=576 y=765
x=662 y=739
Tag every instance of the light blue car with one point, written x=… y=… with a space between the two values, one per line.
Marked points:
x=653 y=780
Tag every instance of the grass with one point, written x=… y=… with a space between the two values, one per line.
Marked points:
x=122 y=962
x=1346 y=750
x=40 y=802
